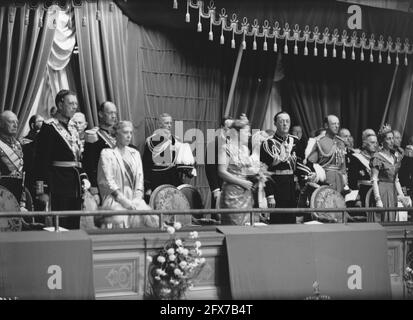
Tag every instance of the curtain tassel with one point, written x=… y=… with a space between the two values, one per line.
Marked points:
x=187 y=18
x=405 y=60
x=265 y=47
x=343 y=53
x=254 y=45
x=222 y=39
x=211 y=36
x=305 y=48
x=397 y=59
x=334 y=52
x=315 y=49
x=199 y=27
x=353 y=54
x=175 y=6
x=325 y=51
x=275 y=45
x=388 y=58
x=362 y=55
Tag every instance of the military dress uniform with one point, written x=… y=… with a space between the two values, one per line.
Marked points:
x=159 y=162
x=279 y=154
x=359 y=174
x=330 y=153
x=57 y=164
x=12 y=167
x=96 y=140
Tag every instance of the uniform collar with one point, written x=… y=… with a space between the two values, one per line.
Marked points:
x=280 y=138
x=8 y=139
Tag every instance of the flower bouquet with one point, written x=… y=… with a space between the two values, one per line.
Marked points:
x=173 y=268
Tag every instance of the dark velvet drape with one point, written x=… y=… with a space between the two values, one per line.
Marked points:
x=253 y=87
x=26 y=38
x=354 y=91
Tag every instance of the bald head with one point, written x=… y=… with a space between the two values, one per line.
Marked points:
x=345 y=135
x=8 y=123
x=332 y=124
x=108 y=113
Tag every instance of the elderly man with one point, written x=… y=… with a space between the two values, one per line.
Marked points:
x=329 y=152
x=398 y=142
x=406 y=168
x=57 y=160
x=211 y=163
x=298 y=132
x=97 y=139
x=279 y=154
x=359 y=168
x=29 y=147
x=11 y=153
x=159 y=156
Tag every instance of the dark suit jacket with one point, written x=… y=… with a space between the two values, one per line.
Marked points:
x=91 y=156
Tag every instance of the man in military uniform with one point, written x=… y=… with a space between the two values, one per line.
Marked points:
x=279 y=154
x=359 y=169
x=96 y=140
x=329 y=152
x=11 y=154
x=57 y=160
x=398 y=142
x=211 y=165
x=159 y=156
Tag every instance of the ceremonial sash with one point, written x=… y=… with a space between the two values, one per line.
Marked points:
x=363 y=161
x=68 y=138
x=10 y=158
x=110 y=141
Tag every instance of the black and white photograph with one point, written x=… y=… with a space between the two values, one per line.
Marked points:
x=206 y=155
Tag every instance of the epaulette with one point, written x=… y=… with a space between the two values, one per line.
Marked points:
x=340 y=138
x=293 y=136
x=24 y=141
x=91 y=135
x=51 y=120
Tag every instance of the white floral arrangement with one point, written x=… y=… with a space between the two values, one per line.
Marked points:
x=173 y=268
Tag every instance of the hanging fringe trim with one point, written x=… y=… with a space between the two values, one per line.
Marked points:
x=275 y=32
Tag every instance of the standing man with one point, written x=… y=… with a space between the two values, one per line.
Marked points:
x=330 y=153
x=159 y=156
x=96 y=140
x=279 y=154
x=359 y=169
x=398 y=142
x=211 y=164
x=57 y=159
x=11 y=152
x=297 y=131
x=29 y=144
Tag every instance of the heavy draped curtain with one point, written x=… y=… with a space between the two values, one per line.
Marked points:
x=26 y=37
x=102 y=37
x=59 y=71
x=357 y=92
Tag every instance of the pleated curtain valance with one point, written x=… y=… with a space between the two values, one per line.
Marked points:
x=274 y=36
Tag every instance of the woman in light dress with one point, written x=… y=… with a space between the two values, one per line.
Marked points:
x=120 y=181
